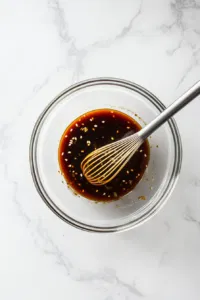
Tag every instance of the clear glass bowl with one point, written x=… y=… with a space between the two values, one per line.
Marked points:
x=157 y=183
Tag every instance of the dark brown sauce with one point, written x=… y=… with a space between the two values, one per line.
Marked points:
x=89 y=132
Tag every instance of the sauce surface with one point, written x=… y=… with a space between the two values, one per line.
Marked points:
x=89 y=132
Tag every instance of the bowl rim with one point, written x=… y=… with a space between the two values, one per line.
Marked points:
x=167 y=190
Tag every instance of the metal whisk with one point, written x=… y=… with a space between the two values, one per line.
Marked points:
x=102 y=165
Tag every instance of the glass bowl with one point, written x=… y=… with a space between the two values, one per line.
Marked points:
x=155 y=186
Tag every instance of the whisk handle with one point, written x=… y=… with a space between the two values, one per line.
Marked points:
x=177 y=105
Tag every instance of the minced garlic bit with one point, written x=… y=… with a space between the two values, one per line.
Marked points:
x=85 y=129
x=88 y=143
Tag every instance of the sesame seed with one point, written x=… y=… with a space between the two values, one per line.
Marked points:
x=93 y=129
x=66 y=159
x=104 y=194
x=145 y=155
x=83 y=191
x=127 y=171
x=62 y=153
x=75 y=158
x=88 y=143
x=91 y=119
x=103 y=121
x=97 y=191
x=69 y=166
x=69 y=152
x=128 y=127
x=66 y=136
x=76 y=125
x=82 y=151
x=141 y=151
x=132 y=170
x=95 y=125
x=112 y=138
x=117 y=131
x=71 y=129
x=142 y=198
x=81 y=137
x=81 y=175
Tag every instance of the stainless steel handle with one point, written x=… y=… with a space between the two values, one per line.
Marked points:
x=188 y=96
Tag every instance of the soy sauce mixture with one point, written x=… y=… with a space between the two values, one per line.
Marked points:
x=89 y=132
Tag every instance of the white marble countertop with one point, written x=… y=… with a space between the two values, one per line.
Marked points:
x=58 y=42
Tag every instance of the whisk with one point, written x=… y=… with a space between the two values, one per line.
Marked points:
x=103 y=164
